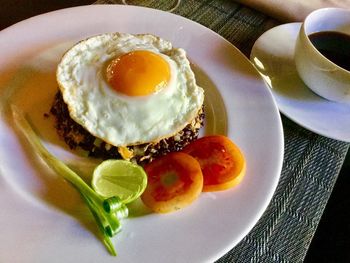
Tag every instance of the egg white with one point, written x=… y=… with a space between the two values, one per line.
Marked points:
x=119 y=119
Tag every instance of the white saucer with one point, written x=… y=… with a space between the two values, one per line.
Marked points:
x=273 y=56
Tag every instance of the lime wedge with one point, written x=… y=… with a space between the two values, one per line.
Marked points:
x=119 y=178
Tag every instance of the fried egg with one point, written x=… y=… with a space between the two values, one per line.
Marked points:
x=129 y=89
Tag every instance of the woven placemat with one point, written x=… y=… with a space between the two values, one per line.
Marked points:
x=311 y=162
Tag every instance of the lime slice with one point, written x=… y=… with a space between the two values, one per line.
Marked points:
x=119 y=178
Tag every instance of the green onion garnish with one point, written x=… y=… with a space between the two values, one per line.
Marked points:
x=106 y=212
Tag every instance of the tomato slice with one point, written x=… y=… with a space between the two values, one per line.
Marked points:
x=222 y=163
x=174 y=181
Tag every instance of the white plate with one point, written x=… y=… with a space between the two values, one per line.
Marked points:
x=273 y=56
x=42 y=218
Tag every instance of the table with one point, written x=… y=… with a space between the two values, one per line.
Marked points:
x=312 y=162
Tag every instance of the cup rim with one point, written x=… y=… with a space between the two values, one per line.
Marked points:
x=321 y=10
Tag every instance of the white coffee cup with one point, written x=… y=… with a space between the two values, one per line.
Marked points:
x=320 y=74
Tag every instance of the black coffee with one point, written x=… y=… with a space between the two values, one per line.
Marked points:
x=333 y=45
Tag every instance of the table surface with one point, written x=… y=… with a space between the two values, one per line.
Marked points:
x=312 y=162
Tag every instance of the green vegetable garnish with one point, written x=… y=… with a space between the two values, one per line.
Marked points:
x=120 y=178
x=106 y=212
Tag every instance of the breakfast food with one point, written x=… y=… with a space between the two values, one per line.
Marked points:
x=222 y=162
x=174 y=182
x=211 y=163
x=127 y=96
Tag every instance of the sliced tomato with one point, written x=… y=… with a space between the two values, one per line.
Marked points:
x=222 y=163
x=174 y=181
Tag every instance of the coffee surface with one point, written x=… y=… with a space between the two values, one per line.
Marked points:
x=333 y=45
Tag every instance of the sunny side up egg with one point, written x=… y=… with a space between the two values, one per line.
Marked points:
x=129 y=89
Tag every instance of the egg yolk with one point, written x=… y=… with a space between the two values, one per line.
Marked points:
x=138 y=73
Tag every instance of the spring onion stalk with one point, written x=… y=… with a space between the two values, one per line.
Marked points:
x=106 y=212
x=100 y=224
